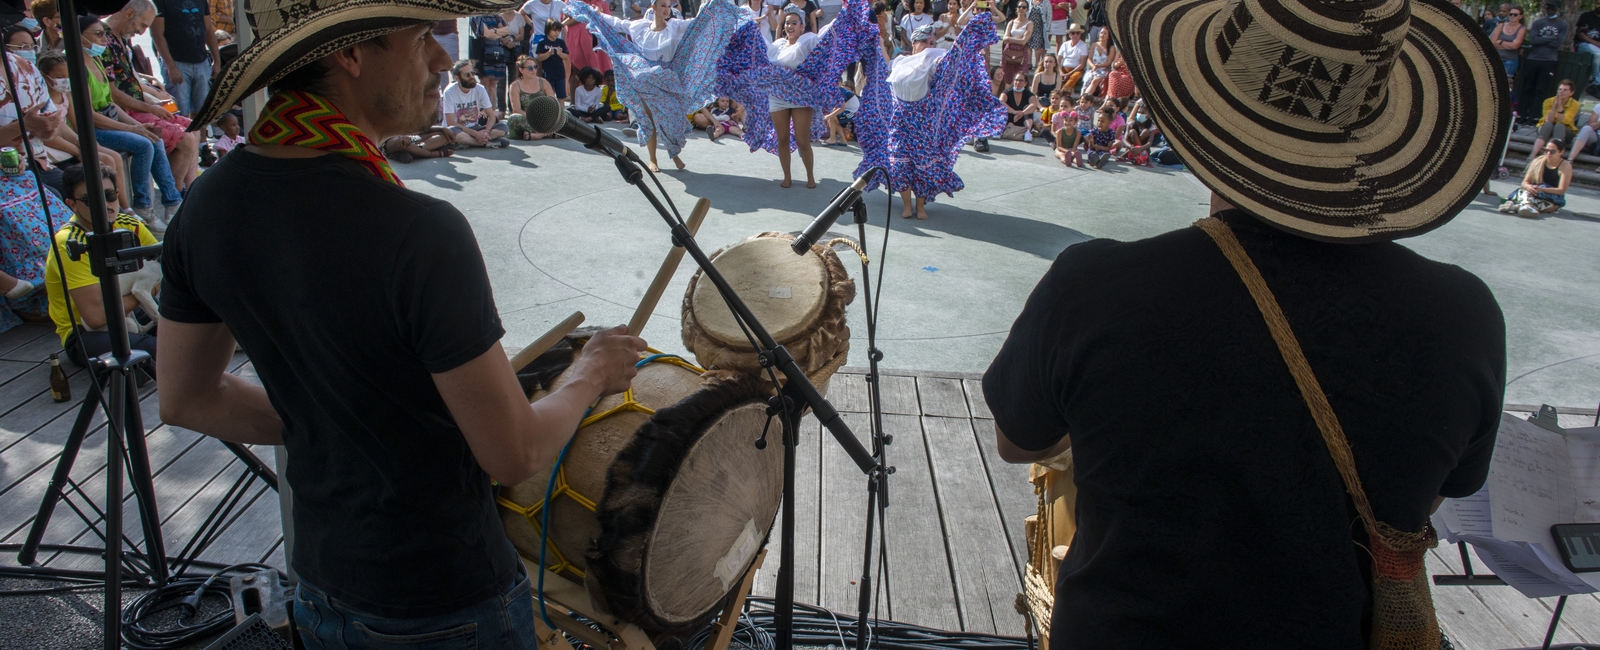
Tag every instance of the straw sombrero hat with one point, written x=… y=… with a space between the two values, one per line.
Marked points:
x=1340 y=120
x=292 y=33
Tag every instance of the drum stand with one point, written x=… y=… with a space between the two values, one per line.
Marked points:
x=796 y=394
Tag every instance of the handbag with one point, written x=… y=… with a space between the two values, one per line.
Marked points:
x=1402 y=606
x=495 y=54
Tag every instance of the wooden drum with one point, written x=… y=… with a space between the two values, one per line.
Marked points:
x=800 y=300
x=1049 y=533
x=662 y=500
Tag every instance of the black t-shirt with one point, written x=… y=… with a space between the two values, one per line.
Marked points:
x=347 y=292
x=184 y=27
x=1018 y=99
x=553 y=67
x=1209 y=511
x=1589 y=24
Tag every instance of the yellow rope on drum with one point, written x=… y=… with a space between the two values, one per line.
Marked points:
x=532 y=513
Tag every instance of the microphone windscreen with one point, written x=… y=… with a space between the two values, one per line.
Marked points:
x=545 y=114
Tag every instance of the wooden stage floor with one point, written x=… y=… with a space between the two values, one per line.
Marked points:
x=954 y=526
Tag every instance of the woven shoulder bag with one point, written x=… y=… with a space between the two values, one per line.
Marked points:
x=1402 y=606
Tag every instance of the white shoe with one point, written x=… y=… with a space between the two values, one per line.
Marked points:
x=149 y=214
x=1027 y=136
x=22 y=289
x=171 y=211
x=1528 y=211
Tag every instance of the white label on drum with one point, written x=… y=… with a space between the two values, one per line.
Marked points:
x=730 y=568
x=780 y=292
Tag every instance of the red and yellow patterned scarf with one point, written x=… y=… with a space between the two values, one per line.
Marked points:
x=305 y=120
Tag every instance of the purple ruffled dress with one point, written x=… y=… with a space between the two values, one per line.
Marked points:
x=918 y=142
x=745 y=74
x=672 y=90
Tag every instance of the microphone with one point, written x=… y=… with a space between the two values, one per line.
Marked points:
x=845 y=199
x=545 y=115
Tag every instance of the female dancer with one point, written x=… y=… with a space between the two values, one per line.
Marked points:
x=663 y=65
x=795 y=77
x=914 y=120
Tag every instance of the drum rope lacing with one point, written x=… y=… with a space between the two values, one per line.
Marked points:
x=558 y=485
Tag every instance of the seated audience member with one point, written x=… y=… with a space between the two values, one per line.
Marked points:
x=841 y=120
x=24 y=226
x=587 y=99
x=1021 y=105
x=608 y=94
x=520 y=93
x=1084 y=115
x=1052 y=115
x=1102 y=141
x=49 y=17
x=1066 y=140
x=1046 y=78
x=1558 y=120
x=721 y=117
x=224 y=39
x=63 y=149
x=1544 y=185
x=231 y=138
x=1140 y=135
x=469 y=112
x=437 y=142
x=1587 y=135
x=120 y=132
x=84 y=329
x=1073 y=56
x=145 y=105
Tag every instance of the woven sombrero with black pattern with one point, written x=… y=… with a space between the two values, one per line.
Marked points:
x=292 y=33
x=1340 y=120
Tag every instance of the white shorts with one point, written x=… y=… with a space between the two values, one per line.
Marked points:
x=774 y=105
x=1059 y=27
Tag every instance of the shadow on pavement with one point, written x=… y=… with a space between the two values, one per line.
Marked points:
x=1038 y=238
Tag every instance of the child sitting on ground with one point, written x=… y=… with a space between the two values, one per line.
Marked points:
x=1102 y=141
x=229 y=125
x=1048 y=122
x=842 y=119
x=1140 y=135
x=587 y=101
x=608 y=96
x=721 y=117
x=1065 y=136
x=1083 y=115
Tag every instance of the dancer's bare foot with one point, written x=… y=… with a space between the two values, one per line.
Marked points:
x=785 y=184
x=811 y=184
x=679 y=162
x=906 y=213
x=922 y=214
x=654 y=167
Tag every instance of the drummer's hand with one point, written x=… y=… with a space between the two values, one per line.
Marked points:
x=607 y=360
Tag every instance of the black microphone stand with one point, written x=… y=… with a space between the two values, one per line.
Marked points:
x=797 y=390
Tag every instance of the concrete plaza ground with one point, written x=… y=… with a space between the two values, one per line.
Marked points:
x=561 y=232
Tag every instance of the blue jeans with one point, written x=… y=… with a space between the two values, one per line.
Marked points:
x=191 y=94
x=504 y=621
x=147 y=158
x=1594 y=68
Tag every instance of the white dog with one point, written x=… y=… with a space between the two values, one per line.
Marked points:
x=139 y=284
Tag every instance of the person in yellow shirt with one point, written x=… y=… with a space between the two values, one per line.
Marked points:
x=83 y=329
x=608 y=96
x=1559 y=119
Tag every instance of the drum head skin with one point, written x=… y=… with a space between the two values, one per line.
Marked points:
x=785 y=291
x=687 y=507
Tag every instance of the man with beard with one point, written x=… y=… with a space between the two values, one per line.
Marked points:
x=367 y=312
x=469 y=110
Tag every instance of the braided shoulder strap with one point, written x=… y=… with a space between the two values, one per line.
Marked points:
x=1310 y=389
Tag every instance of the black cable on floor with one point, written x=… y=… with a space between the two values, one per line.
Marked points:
x=185 y=595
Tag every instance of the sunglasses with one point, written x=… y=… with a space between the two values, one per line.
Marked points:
x=111 y=196
x=1516 y=13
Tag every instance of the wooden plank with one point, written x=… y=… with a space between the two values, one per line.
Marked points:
x=253 y=534
x=23 y=334
x=986 y=577
x=844 y=521
x=1525 y=618
x=1462 y=615
x=39 y=350
x=31 y=384
x=848 y=392
x=899 y=395
x=1012 y=491
x=974 y=390
x=1582 y=616
x=808 y=487
x=275 y=559
x=919 y=586
x=44 y=423
x=942 y=397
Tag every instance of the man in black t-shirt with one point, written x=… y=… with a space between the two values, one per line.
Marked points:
x=379 y=355
x=187 y=42
x=1210 y=512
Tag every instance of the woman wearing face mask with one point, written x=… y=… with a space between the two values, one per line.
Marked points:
x=796 y=77
x=24 y=230
x=117 y=131
x=914 y=119
x=663 y=65
x=63 y=149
